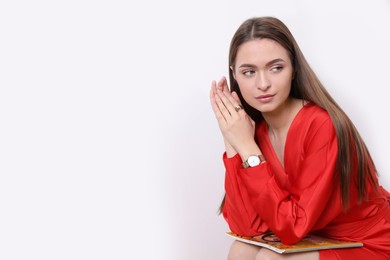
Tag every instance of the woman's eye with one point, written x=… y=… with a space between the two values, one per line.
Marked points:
x=248 y=72
x=276 y=68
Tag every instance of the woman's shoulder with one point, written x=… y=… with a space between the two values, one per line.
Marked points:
x=311 y=120
x=312 y=113
x=310 y=116
x=312 y=126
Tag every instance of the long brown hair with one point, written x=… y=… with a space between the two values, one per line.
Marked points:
x=306 y=86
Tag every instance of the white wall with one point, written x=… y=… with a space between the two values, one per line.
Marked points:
x=108 y=146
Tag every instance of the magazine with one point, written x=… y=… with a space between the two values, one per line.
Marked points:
x=311 y=242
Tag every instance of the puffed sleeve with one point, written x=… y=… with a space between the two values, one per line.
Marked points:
x=238 y=209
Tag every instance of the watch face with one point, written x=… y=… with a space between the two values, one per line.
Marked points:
x=253 y=161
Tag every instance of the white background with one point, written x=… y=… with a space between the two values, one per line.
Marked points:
x=108 y=146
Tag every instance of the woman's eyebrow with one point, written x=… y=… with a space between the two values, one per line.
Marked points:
x=274 y=61
x=247 y=65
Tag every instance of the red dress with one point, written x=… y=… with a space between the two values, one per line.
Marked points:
x=304 y=196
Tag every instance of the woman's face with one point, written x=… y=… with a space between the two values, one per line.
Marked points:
x=263 y=71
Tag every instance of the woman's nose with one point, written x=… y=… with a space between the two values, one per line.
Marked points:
x=263 y=82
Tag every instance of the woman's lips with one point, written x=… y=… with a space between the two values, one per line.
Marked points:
x=265 y=98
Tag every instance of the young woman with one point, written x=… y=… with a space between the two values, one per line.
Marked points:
x=294 y=161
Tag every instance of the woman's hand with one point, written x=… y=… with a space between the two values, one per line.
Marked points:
x=236 y=126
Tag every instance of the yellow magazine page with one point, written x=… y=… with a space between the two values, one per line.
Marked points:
x=311 y=242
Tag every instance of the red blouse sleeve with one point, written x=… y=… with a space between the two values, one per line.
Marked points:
x=238 y=209
x=256 y=201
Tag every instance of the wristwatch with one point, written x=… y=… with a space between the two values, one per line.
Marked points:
x=253 y=160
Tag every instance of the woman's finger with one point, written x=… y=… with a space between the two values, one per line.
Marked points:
x=222 y=84
x=236 y=98
x=230 y=102
x=218 y=106
x=223 y=104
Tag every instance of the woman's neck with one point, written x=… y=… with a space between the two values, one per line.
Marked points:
x=279 y=121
